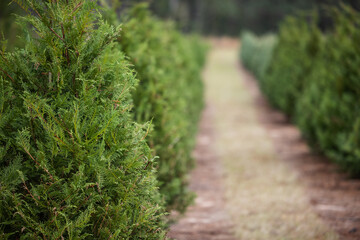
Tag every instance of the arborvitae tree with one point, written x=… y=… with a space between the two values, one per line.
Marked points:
x=73 y=163
x=314 y=78
x=328 y=111
x=293 y=59
x=170 y=94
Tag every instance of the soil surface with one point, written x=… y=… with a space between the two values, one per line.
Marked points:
x=207 y=219
x=255 y=177
x=335 y=197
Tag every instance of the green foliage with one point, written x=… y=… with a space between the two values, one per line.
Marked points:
x=293 y=59
x=73 y=163
x=314 y=78
x=169 y=94
x=256 y=52
x=328 y=111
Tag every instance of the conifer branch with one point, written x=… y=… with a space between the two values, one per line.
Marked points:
x=67 y=56
x=74 y=88
x=32 y=196
x=85 y=200
x=39 y=115
x=147 y=164
x=127 y=108
x=37 y=163
x=122 y=92
x=62 y=30
x=3 y=57
x=63 y=125
x=61 y=234
x=34 y=9
x=77 y=6
x=106 y=211
x=147 y=132
x=52 y=30
x=7 y=75
x=32 y=127
x=43 y=234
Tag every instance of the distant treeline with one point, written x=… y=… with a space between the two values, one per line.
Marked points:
x=314 y=78
x=220 y=17
x=229 y=17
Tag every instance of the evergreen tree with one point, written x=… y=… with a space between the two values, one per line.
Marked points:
x=73 y=163
x=170 y=95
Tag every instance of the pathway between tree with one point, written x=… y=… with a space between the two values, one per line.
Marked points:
x=245 y=188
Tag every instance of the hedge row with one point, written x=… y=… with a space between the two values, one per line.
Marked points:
x=168 y=96
x=76 y=161
x=315 y=79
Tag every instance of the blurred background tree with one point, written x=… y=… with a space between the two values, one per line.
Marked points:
x=229 y=17
x=210 y=17
x=8 y=28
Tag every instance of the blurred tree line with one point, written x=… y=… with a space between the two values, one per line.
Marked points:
x=229 y=17
x=8 y=28
x=212 y=17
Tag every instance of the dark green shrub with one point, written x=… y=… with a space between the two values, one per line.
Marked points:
x=170 y=94
x=73 y=163
x=328 y=111
x=315 y=78
x=292 y=61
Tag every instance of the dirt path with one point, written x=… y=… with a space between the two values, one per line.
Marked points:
x=207 y=219
x=253 y=171
x=333 y=195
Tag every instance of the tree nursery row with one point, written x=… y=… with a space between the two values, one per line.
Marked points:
x=98 y=116
x=314 y=77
